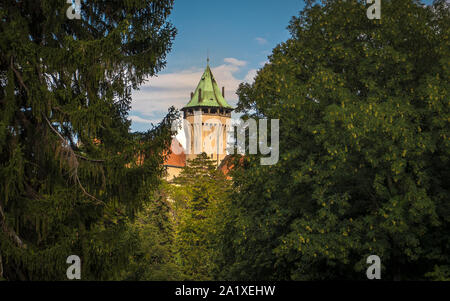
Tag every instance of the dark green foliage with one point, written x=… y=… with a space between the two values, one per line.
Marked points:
x=364 y=149
x=154 y=259
x=199 y=194
x=69 y=180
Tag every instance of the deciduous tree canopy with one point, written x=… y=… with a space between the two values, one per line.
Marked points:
x=364 y=149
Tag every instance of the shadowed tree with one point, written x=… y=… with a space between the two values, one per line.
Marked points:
x=154 y=259
x=69 y=180
x=364 y=149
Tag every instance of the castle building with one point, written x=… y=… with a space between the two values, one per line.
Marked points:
x=206 y=115
x=209 y=103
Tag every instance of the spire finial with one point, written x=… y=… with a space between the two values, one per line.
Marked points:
x=207 y=58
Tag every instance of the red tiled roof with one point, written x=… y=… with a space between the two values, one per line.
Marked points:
x=177 y=155
x=227 y=165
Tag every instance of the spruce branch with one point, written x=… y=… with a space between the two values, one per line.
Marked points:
x=89 y=160
x=72 y=156
x=72 y=160
x=19 y=77
x=10 y=232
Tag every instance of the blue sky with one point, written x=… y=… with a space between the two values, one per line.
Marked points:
x=242 y=29
x=237 y=34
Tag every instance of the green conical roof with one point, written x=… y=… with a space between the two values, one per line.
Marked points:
x=211 y=96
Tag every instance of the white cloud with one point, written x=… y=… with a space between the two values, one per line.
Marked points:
x=173 y=89
x=235 y=62
x=135 y=118
x=261 y=41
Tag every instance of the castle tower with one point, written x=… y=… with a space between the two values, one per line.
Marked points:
x=208 y=115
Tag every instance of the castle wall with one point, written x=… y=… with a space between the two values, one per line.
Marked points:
x=212 y=124
x=172 y=172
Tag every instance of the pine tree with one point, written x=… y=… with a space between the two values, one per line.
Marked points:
x=155 y=258
x=69 y=177
x=199 y=193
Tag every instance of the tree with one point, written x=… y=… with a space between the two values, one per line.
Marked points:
x=71 y=175
x=364 y=149
x=199 y=193
x=155 y=258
